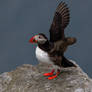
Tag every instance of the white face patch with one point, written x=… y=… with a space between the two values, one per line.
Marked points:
x=40 y=39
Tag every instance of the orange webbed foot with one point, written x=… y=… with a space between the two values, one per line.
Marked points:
x=49 y=74
x=53 y=77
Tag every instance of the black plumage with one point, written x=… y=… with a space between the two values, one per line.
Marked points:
x=58 y=43
x=60 y=22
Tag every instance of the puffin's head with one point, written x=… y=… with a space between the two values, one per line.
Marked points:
x=39 y=39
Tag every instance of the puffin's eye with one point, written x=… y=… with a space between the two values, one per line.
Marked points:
x=39 y=37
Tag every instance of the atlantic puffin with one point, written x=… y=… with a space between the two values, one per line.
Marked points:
x=52 y=51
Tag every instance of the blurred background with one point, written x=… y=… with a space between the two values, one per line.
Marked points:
x=21 y=19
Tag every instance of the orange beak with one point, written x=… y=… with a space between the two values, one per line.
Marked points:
x=32 y=40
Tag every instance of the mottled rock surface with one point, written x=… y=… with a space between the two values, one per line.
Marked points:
x=28 y=78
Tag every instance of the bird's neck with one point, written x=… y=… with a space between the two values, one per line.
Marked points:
x=45 y=46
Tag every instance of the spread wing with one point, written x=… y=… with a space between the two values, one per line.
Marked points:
x=60 y=21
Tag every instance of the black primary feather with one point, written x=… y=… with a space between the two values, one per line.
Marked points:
x=60 y=22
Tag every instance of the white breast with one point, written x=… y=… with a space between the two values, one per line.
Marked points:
x=42 y=56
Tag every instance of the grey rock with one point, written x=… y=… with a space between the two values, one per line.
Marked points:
x=28 y=78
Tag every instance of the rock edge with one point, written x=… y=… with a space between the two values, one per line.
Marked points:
x=28 y=78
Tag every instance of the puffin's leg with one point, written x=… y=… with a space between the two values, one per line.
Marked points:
x=48 y=74
x=57 y=73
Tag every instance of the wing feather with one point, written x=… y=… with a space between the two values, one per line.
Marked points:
x=60 y=22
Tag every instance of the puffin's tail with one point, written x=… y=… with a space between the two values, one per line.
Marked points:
x=66 y=63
